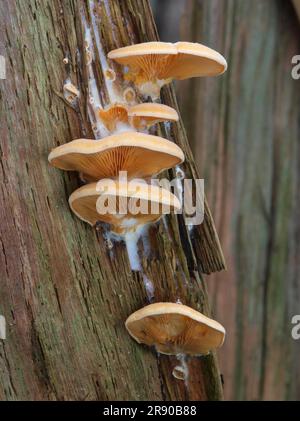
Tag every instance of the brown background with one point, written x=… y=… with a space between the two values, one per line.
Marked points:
x=244 y=129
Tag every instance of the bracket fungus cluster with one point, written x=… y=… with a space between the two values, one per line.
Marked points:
x=128 y=149
x=129 y=203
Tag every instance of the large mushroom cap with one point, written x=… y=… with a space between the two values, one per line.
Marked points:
x=160 y=62
x=131 y=54
x=139 y=154
x=175 y=329
x=196 y=60
x=124 y=205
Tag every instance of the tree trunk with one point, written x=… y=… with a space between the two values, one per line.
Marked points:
x=245 y=134
x=65 y=294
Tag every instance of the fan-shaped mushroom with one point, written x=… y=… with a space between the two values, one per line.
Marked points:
x=154 y=64
x=124 y=205
x=147 y=114
x=139 y=154
x=113 y=115
x=175 y=329
x=119 y=117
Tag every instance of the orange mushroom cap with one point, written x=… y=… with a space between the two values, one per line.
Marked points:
x=152 y=65
x=139 y=154
x=139 y=116
x=175 y=329
x=124 y=205
x=112 y=115
x=147 y=114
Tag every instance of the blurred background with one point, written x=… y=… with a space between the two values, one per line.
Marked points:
x=244 y=130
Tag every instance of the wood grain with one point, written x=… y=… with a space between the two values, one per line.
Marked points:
x=244 y=131
x=64 y=294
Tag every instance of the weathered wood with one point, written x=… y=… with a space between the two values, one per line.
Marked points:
x=245 y=132
x=64 y=294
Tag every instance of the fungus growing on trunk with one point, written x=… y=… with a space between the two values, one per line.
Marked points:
x=113 y=115
x=119 y=117
x=175 y=329
x=123 y=205
x=147 y=114
x=154 y=64
x=139 y=154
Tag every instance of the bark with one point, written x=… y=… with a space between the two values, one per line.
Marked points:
x=64 y=293
x=244 y=132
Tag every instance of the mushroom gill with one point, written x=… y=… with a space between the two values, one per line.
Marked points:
x=123 y=205
x=175 y=329
x=119 y=117
x=154 y=64
x=139 y=154
x=113 y=115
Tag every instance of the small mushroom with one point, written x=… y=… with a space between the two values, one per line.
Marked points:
x=132 y=204
x=147 y=114
x=139 y=154
x=110 y=74
x=129 y=95
x=139 y=116
x=175 y=329
x=154 y=64
x=113 y=115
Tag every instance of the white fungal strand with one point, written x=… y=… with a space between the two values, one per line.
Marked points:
x=94 y=101
x=131 y=241
x=179 y=183
x=149 y=287
x=181 y=371
x=179 y=172
x=111 y=87
x=122 y=127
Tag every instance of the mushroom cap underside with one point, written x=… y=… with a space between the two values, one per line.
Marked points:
x=123 y=205
x=151 y=113
x=181 y=60
x=175 y=329
x=139 y=154
x=139 y=115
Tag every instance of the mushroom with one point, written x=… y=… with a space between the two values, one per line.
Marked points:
x=147 y=114
x=115 y=114
x=124 y=205
x=118 y=117
x=175 y=329
x=139 y=154
x=152 y=65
